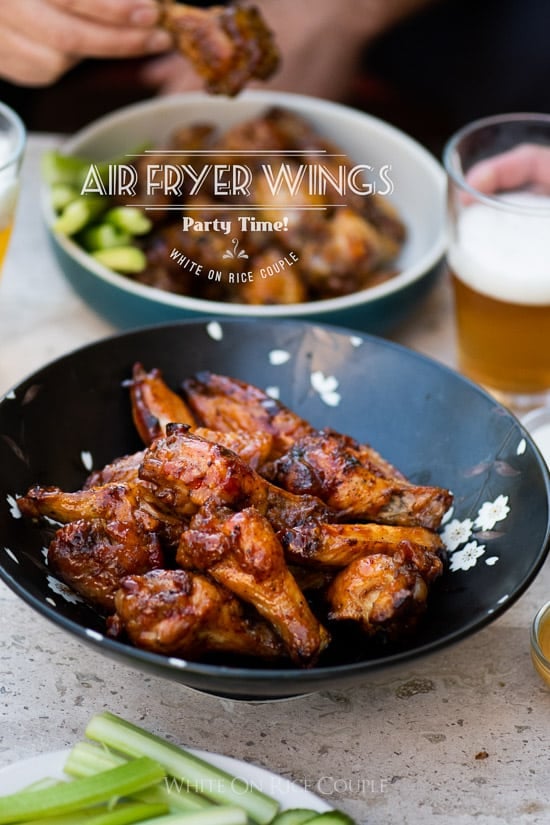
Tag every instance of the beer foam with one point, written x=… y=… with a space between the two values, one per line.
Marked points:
x=505 y=254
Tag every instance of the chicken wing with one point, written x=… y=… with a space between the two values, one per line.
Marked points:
x=380 y=593
x=227 y=45
x=227 y=404
x=94 y=556
x=123 y=470
x=241 y=551
x=178 y=613
x=155 y=405
x=130 y=505
x=187 y=472
x=337 y=545
x=321 y=465
x=118 y=501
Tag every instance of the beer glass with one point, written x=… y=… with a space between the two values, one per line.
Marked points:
x=498 y=172
x=12 y=143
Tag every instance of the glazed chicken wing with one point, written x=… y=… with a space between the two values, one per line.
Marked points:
x=187 y=472
x=155 y=405
x=227 y=404
x=241 y=551
x=116 y=501
x=94 y=556
x=337 y=545
x=320 y=464
x=130 y=506
x=123 y=470
x=350 y=478
x=379 y=592
x=185 y=614
x=227 y=45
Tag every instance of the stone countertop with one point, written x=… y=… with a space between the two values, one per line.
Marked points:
x=461 y=736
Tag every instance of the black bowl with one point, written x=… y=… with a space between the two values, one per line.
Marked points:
x=435 y=426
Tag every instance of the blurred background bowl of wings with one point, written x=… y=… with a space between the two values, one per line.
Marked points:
x=363 y=262
x=368 y=429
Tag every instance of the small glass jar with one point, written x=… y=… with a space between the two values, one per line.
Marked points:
x=540 y=642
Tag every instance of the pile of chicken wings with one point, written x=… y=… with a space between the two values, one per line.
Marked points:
x=241 y=529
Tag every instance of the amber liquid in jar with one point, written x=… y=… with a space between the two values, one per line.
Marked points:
x=543 y=635
x=500 y=265
x=502 y=345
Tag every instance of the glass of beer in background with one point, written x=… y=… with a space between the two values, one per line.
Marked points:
x=12 y=144
x=498 y=172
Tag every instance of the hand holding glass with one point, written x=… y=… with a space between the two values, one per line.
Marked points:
x=499 y=254
x=12 y=143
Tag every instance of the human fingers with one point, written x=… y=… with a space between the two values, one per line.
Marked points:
x=169 y=74
x=78 y=37
x=113 y=12
x=527 y=164
x=29 y=63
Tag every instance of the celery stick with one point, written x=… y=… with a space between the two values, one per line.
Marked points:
x=126 y=259
x=105 y=815
x=40 y=784
x=294 y=816
x=210 y=781
x=70 y=796
x=86 y=759
x=331 y=818
x=79 y=213
x=215 y=815
x=129 y=219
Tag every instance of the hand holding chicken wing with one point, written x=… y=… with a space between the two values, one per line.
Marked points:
x=227 y=45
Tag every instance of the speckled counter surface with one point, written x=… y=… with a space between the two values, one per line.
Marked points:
x=462 y=736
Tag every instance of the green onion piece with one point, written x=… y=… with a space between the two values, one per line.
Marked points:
x=79 y=213
x=198 y=774
x=71 y=796
x=104 y=236
x=129 y=219
x=126 y=259
x=86 y=759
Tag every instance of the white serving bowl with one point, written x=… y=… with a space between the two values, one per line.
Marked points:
x=419 y=195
